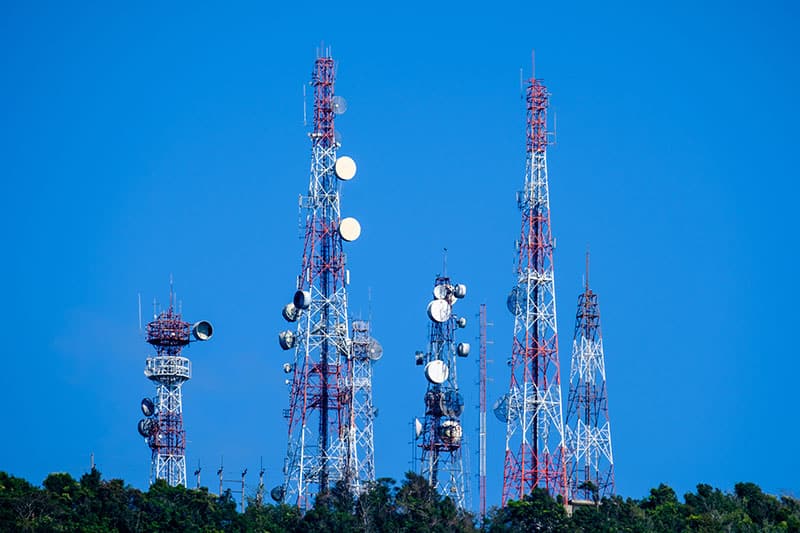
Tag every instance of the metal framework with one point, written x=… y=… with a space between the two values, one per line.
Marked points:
x=590 y=461
x=535 y=453
x=441 y=434
x=482 y=430
x=366 y=351
x=169 y=370
x=319 y=451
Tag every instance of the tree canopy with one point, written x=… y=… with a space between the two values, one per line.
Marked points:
x=93 y=504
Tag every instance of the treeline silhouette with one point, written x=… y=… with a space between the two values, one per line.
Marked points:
x=93 y=504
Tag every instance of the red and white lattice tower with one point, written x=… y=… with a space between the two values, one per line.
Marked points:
x=441 y=434
x=320 y=449
x=590 y=463
x=534 y=455
x=162 y=426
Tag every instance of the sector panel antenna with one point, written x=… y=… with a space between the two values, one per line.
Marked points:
x=345 y=168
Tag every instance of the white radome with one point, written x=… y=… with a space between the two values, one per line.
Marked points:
x=349 y=229
x=439 y=311
x=345 y=168
x=436 y=372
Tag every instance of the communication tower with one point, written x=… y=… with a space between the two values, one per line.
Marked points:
x=531 y=409
x=590 y=462
x=366 y=352
x=319 y=451
x=482 y=425
x=441 y=433
x=162 y=426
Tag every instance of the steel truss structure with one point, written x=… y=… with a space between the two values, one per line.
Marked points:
x=590 y=461
x=366 y=351
x=441 y=434
x=169 y=370
x=535 y=452
x=320 y=449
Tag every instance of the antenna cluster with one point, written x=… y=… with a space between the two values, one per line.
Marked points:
x=440 y=436
x=162 y=425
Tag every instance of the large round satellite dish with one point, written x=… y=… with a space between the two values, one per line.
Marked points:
x=290 y=312
x=339 y=105
x=349 y=229
x=202 y=330
x=148 y=409
x=453 y=403
x=286 y=339
x=302 y=299
x=450 y=432
x=460 y=290
x=436 y=372
x=345 y=168
x=440 y=292
x=500 y=408
x=277 y=494
x=146 y=427
x=511 y=301
x=374 y=350
x=439 y=311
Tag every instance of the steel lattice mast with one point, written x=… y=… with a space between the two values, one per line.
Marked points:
x=441 y=433
x=534 y=455
x=169 y=370
x=366 y=351
x=482 y=427
x=319 y=451
x=590 y=462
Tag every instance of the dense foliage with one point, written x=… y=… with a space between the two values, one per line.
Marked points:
x=94 y=505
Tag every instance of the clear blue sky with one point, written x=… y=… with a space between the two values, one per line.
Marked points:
x=139 y=141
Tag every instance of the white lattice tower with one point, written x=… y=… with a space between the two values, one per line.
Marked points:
x=441 y=435
x=590 y=461
x=366 y=351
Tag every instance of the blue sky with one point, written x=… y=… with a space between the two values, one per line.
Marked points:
x=142 y=141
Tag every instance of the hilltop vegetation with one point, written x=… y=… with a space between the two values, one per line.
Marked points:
x=96 y=505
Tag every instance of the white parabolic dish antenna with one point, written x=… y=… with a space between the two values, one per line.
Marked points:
x=417 y=427
x=440 y=292
x=349 y=229
x=436 y=372
x=345 y=168
x=439 y=311
x=339 y=105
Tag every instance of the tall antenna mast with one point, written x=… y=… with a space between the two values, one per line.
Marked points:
x=441 y=437
x=320 y=450
x=534 y=455
x=482 y=430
